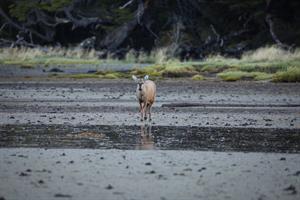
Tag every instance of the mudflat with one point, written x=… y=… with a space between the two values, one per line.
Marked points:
x=71 y=139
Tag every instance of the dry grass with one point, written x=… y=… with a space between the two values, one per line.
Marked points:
x=58 y=55
x=270 y=54
x=156 y=56
x=47 y=55
x=267 y=59
x=31 y=53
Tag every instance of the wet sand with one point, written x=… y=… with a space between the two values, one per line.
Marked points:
x=84 y=140
x=113 y=174
x=107 y=102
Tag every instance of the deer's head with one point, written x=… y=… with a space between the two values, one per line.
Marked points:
x=140 y=81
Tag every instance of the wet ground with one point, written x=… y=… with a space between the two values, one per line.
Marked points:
x=12 y=71
x=114 y=174
x=208 y=140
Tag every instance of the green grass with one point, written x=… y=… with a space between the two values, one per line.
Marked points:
x=240 y=75
x=267 y=59
x=198 y=77
x=26 y=66
x=292 y=74
x=79 y=76
x=171 y=69
x=97 y=75
x=51 y=61
x=268 y=63
x=260 y=76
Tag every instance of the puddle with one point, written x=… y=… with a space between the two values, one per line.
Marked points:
x=151 y=137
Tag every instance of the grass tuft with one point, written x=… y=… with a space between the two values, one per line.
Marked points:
x=47 y=56
x=292 y=74
x=240 y=75
x=168 y=70
x=198 y=77
x=267 y=59
x=80 y=76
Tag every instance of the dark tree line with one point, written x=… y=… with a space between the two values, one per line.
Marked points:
x=191 y=28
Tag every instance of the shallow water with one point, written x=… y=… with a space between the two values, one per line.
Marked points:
x=151 y=137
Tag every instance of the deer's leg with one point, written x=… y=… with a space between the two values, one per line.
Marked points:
x=149 y=109
x=141 y=110
x=145 y=111
x=141 y=105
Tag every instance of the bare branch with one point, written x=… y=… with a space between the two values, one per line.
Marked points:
x=270 y=22
x=126 y=4
x=140 y=11
x=3 y=26
x=23 y=28
x=82 y=21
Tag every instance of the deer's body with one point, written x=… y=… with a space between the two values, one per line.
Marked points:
x=145 y=92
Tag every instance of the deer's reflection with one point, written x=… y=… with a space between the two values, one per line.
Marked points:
x=146 y=139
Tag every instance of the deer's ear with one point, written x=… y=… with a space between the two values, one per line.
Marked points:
x=134 y=77
x=146 y=77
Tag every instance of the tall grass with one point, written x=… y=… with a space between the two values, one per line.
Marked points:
x=292 y=74
x=47 y=55
x=267 y=59
x=156 y=56
x=59 y=55
x=31 y=53
x=270 y=54
x=262 y=64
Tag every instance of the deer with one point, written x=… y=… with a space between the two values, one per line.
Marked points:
x=145 y=93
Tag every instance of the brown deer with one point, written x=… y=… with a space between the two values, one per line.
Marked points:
x=145 y=92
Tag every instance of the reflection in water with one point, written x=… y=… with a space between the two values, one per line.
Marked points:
x=146 y=142
x=151 y=137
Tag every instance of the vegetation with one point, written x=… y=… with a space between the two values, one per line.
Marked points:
x=268 y=63
x=240 y=75
x=292 y=74
x=187 y=29
x=198 y=77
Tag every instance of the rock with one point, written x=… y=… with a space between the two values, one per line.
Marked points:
x=23 y=174
x=202 y=169
x=62 y=195
x=150 y=172
x=109 y=187
x=291 y=189
x=297 y=173
x=187 y=170
x=55 y=69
